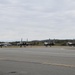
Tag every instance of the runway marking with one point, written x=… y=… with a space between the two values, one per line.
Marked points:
x=64 y=65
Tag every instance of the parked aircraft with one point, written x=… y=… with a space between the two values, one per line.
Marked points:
x=71 y=43
x=5 y=44
x=22 y=43
x=1 y=45
x=49 y=43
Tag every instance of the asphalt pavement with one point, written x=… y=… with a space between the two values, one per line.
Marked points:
x=37 y=61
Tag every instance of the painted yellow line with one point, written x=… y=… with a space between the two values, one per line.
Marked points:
x=55 y=64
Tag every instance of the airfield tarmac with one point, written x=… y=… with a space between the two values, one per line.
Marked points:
x=37 y=61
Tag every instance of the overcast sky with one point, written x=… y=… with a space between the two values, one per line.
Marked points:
x=37 y=19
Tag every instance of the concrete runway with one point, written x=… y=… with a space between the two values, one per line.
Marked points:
x=37 y=61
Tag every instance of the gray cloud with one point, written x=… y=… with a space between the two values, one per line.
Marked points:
x=37 y=19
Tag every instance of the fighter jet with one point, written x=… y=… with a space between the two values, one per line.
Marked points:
x=22 y=43
x=71 y=43
x=5 y=44
x=49 y=43
x=1 y=45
